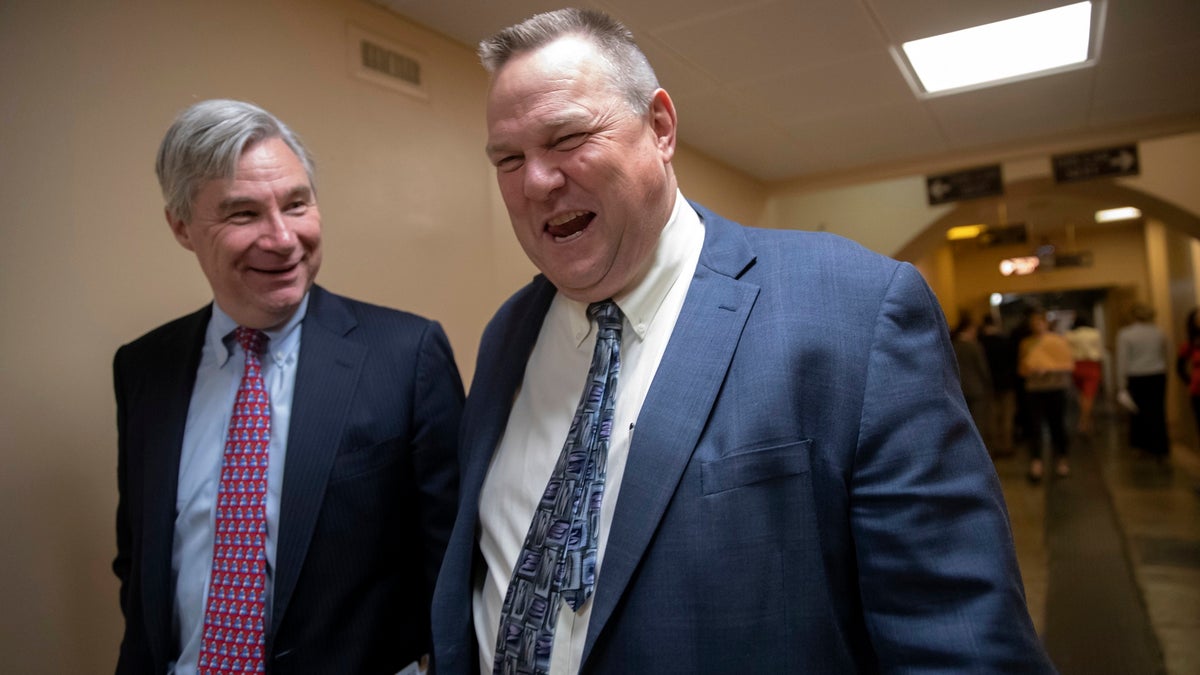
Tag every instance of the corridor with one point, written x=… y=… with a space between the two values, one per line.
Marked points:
x=1111 y=556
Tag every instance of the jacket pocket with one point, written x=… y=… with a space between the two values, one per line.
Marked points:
x=364 y=460
x=755 y=466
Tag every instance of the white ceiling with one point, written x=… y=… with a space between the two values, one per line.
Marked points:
x=807 y=90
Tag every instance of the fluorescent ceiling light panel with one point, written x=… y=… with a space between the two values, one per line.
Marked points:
x=1004 y=50
x=1113 y=215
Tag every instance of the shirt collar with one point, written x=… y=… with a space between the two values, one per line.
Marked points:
x=281 y=344
x=680 y=237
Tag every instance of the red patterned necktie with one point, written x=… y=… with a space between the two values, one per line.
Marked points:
x=236 y=609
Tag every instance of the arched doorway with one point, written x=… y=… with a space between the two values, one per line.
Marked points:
x=1154 y=259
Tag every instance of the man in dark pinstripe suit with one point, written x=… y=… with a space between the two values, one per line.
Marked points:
x=364 y=409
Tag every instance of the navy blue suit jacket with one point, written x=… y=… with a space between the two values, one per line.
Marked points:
x=804 y=493
x=369 y=488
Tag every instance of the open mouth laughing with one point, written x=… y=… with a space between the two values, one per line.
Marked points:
x=568 y=226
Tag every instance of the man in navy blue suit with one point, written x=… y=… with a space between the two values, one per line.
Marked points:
x=792 y=481
x=360 y=488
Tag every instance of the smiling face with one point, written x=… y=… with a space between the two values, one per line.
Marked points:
x=587 y=181
x=257 y=235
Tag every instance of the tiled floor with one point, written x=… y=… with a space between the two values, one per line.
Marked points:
x=1157 y=509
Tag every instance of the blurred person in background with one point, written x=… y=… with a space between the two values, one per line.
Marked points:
x=1088 y=351
x=973 y=374
x=1142 y=358
x=1046 y=365
x=1001 y=355
x=1187 y=364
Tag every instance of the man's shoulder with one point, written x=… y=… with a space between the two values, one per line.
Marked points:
x=173 y=333
x=804 y=262
x=814 y=243
x=769 y=244
x=386 y=333
x=537 y=293
x=325 y=305
x=521 y=313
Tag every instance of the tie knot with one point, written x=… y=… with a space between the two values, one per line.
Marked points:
x=606 y=314
x=252 y=340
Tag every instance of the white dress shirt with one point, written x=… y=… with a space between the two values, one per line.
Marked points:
x=217 y=381
x=541 y=415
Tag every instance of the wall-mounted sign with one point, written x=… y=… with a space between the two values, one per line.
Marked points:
x=1073 y=259
x=984 y=181
x=1101 y=163
x=1002 y=235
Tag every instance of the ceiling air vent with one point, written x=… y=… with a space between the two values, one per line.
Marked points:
x=385 y=63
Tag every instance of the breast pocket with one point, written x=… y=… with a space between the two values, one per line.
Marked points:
x=363 y=461
x=755 y=466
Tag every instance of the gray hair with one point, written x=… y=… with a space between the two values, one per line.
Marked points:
x=207 y=140
x=1141 y=312
x=628 y=68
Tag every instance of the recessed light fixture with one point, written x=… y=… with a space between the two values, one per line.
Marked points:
x=1113 y=215
x=1035 y=44
x=959 y=232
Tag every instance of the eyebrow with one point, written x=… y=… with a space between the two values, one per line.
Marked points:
x=238 y=201
x=493 y=150
x=550 y=126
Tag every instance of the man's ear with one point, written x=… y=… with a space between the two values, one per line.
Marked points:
x=179 y=229
x=663 y=121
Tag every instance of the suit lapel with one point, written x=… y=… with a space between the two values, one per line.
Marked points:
x=681 y=396
x=327 y=374
x=171 y=383
x=499 y=388
x=493 y=392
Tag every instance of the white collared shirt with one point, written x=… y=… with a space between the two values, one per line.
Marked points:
x=217 y=379
x=541 y=415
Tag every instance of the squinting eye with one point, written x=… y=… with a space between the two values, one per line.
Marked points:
x=510 y=163
x=570 y=142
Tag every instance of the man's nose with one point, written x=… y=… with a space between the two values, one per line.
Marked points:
x=542 y=177
x=278 y=235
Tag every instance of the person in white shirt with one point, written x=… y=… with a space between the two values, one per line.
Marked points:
x=1087 y=348
x=1143 y=356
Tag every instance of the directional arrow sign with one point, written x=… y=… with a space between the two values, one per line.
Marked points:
x=983 y=181
x=1101 y=163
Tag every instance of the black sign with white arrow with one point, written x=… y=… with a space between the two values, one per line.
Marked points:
x=1102 y=163
x=984 y=181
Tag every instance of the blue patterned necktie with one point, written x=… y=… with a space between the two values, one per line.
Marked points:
x=558 y=560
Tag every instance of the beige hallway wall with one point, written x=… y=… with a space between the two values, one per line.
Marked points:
x=412 y=219
x=88 y=262
x=889 y=215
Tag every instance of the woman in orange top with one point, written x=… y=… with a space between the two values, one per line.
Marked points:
x=1046 y=363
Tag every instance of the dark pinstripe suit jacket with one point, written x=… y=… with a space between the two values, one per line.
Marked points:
x=369 y=490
